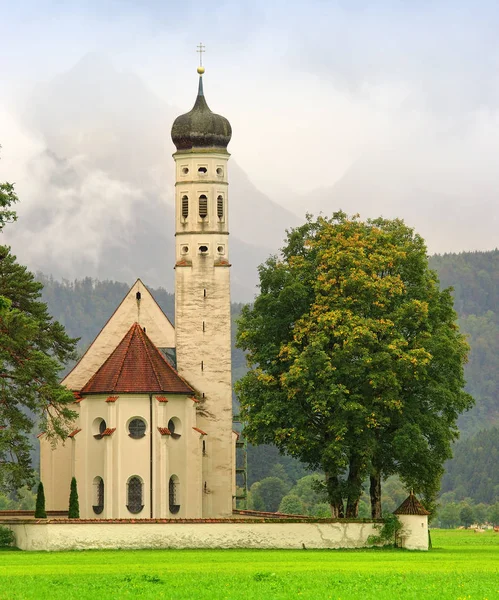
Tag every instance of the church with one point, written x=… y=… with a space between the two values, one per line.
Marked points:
x=153 y=437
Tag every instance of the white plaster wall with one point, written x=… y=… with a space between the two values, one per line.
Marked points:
x=146 y=312
x=68 y=536
x=415 y=532
x=118 y=457
x=202 y=320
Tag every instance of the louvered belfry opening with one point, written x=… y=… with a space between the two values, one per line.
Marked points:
x=220 y=207
x=203 y=206
x=185 y=207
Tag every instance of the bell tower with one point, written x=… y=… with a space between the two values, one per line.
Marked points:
x=202 y=289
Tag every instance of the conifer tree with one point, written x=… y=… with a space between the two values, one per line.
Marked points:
x=74 y=505
x=40 y=512
x=33 y=348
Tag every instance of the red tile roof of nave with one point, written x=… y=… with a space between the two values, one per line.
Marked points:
x=136 y=366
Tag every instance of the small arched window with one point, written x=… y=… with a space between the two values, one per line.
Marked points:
x=134 y=494
x=173 y=494
x=203 y=206
x=98 y=491
x=185 y=207
x=220 y=207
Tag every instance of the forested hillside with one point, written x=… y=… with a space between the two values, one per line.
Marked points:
x=475 y=279
x=473 y=471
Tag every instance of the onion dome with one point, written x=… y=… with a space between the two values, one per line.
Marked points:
x=201 y=128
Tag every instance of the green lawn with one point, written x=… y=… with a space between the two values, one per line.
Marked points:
x=462 y=566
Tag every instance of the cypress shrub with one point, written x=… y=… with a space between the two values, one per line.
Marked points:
x=40 y=512
x=6 y=537
x=74 y=506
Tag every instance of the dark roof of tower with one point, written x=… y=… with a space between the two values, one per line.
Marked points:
x=201 y=128
x=136 y=366
x=411 y=506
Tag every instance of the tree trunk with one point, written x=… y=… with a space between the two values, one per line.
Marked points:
x=375 y=492
x=334 y=496
x=354 y=487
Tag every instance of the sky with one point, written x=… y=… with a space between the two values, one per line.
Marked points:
x=402 y=95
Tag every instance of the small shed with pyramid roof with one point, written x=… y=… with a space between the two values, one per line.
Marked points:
x=414 y=518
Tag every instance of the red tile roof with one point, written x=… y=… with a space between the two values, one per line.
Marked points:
x=108 y=431
x=136 y=366
x=73 y=433
x=161 y=399
x=411 y=506
x=200 y=431
x=112 y=399
x=164 y=431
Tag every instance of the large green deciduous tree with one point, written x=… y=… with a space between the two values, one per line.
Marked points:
x=356 y=362
x=33 y=348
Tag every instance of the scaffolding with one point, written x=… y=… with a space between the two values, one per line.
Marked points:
x=241 y=496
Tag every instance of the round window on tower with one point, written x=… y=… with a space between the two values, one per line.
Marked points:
x=221 y=250
x=184 y=249
x=220 y=171
x=185 y=170
x=203 y=249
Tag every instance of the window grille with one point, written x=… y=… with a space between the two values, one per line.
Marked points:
x=173 y=495
x=220 y=207
x=99 y=495
x=134 y=495
x=203 y=206
x=185 y=207
x=137 y=428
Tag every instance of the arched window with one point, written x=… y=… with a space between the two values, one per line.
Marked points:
x=185 y=207
x=203 y=206
x=134 y=494
x=175 y=428
x=98 y=505
x=173 y=494
x=220 y=207
x=98 y=428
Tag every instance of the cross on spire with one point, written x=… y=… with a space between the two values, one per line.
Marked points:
x=201 y=49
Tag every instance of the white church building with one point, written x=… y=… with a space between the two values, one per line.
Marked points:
x=153 y=437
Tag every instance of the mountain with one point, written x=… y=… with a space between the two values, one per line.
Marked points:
x=97 y=193
x=431 y=193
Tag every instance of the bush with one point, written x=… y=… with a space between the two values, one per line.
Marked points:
x=292 y=505
x=388 y=532
x=6 y=537
x=74 y=505
x=40 y=512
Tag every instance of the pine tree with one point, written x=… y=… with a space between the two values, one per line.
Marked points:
x=74 y=506
x=33 y=349
x=40 y=512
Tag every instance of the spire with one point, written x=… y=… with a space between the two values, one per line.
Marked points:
x=201 y=128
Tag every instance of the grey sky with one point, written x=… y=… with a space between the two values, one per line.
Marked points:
x=403 y=96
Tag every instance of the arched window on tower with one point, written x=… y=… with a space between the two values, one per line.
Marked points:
x=134 y=494
x=203 y=206
x=185 y=207
x=173 y=494
x=220 y=207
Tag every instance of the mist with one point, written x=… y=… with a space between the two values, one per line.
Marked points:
x=375 y=108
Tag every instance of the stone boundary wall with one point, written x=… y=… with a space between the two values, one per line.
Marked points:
x=237 y=533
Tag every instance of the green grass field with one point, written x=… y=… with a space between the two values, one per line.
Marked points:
x=462 y=565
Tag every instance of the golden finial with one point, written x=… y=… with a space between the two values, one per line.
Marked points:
x=201 y=49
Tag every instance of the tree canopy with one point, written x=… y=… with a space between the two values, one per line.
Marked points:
x=356 y=361
x=33 y=348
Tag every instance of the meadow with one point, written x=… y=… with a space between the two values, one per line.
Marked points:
x=461 y=566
